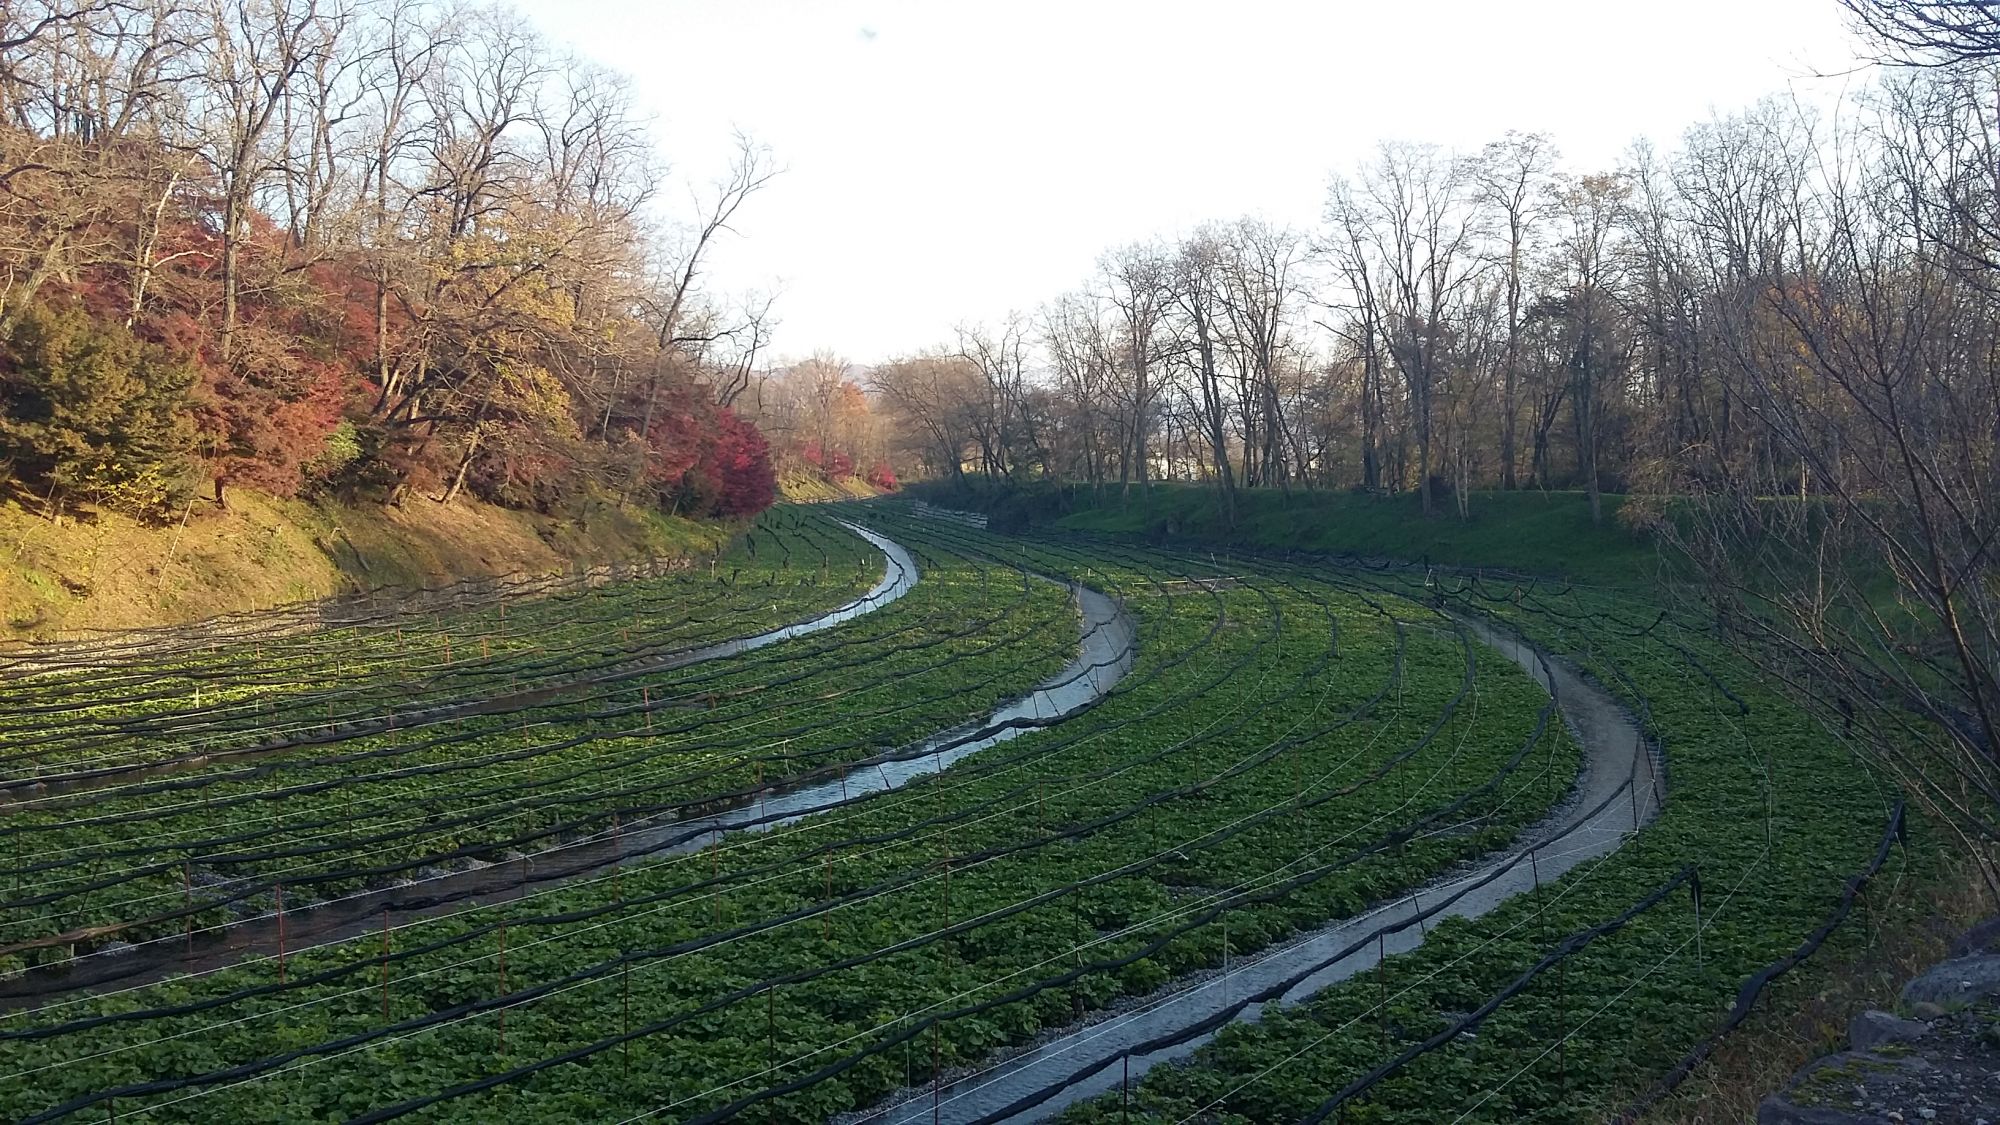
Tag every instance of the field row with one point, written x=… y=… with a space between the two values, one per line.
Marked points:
x=1285 y=751
x=84 y=712
x=1587 y=991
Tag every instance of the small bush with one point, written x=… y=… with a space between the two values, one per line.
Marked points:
x=89 y=411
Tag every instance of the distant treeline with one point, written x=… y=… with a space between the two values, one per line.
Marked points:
x=1780 y=341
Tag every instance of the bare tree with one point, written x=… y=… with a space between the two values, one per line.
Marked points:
x=750 y=171
x=1929 y=32
x=1359 y=318
x=931 y=395
x=1136 y=280
x=1859 y=356
x=1198 y=301
x=404 y=48
x=255 y=51
x=1592 y=209
x=1004 y=421
x=1424 y=232
x=1076 y=339
x=1513 y=176
x=1260 y=287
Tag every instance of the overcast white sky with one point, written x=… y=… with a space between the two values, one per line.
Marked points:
x=948 y=161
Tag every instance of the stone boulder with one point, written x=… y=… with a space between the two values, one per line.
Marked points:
x=1961 y=980
x=1872 y=1029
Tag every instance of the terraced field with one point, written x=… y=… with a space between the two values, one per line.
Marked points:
x=902 y=820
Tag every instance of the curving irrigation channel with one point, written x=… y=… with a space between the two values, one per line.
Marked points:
x=1106 y=648
x=1617 y=793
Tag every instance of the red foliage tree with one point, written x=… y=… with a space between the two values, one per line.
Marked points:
x=740 y=462
x=832 y=464
x=265 y=413
x=679 y=428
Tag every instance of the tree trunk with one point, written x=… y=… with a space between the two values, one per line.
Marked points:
x=43 y=268
x=1424 y=450
x=232 y=222
x=1371 y=422
x=1510 y=378
x=1211 y=402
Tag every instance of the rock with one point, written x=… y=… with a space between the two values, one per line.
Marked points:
x=1958 y=981
x=1779 y=1110
x=1981 y=938
x=1872 y=1029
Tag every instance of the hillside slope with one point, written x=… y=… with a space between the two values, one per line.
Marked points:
x=1544 y=533
x=110 y=571
x=801 y=487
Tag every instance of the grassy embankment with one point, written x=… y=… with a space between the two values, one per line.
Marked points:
x=811 y=488
x=101 y=570
x=1531 y=532
x=105 y=570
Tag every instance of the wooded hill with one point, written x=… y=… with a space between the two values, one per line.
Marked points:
x=377 y=249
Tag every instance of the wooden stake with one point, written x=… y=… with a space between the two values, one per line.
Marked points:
x=503 y=989
x=278 y=889
x=1694 y=895
x=1562 y=1024
x=1382 y=986
x=1076 y=997
x=385 y=964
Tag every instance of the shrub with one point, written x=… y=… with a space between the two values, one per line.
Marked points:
x=87 y=410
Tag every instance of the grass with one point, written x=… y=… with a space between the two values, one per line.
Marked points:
x=1542 y=533
x=1902 y=925
x=805 y=487
x=1904 y=922
x=96 y=570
